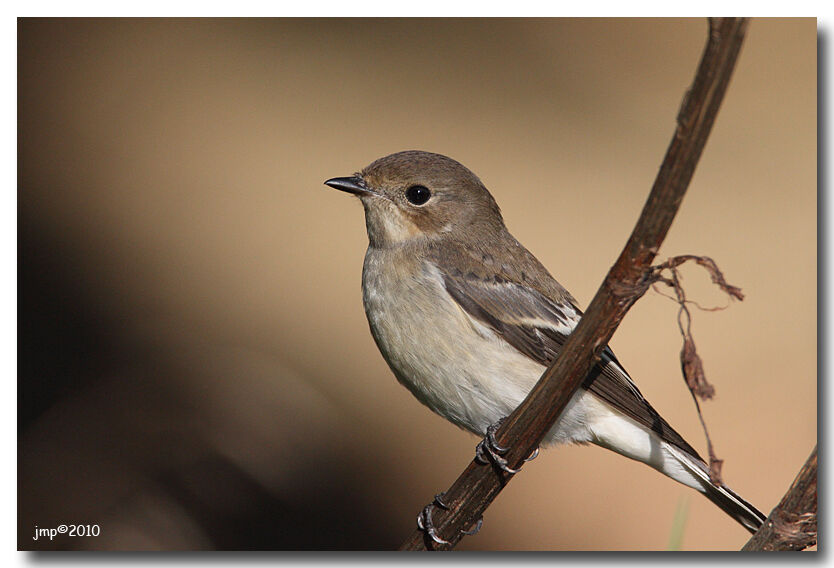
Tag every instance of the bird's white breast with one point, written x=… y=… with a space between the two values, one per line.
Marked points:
x=452 y=363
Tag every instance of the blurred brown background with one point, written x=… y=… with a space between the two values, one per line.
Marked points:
x=195 y=368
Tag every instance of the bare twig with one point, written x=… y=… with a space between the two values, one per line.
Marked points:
x=478 y=485
x=792 y=525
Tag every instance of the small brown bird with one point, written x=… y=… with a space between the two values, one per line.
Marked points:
x=468 y=319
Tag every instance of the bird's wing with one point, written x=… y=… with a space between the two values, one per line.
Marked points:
x=538 y=328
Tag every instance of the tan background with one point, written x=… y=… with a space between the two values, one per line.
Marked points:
x=195 y=366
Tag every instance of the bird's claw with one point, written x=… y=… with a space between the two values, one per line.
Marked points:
x=488 y=450
x=425 y=523
x=477 y=528
x=424 y=520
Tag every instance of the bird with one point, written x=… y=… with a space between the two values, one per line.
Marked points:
x=468 y=319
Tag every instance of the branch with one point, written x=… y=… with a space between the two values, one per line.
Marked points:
x=524 y=429
x=792 y=525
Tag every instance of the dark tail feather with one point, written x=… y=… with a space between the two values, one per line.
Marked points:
x=729 y=501
x=739 y=509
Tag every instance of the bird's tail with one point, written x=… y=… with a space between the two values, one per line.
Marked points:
x=661 y=448
x=727 y=499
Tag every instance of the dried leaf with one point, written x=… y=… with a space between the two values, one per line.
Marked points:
x=715 y=465
x=693 y=370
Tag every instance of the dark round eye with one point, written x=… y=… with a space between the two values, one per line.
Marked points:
x=417 y=194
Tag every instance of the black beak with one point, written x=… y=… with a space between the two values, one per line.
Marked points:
x=354 y=185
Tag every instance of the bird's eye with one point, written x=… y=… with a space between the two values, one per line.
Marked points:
x=417 y=194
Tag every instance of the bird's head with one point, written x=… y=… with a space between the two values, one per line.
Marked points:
x=421 y=195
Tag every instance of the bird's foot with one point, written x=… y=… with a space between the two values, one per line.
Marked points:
x=425 y=523
x=488 y=450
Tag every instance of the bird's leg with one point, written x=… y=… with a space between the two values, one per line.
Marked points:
x=488 y=450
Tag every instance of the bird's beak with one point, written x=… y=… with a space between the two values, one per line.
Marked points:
x=354 y=185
